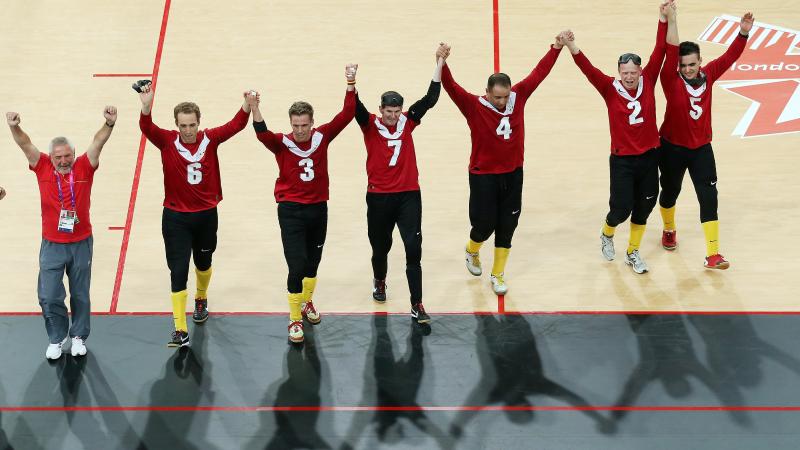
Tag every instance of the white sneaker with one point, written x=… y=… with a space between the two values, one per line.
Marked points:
x=78 y=346
x=296 y=331
x=635 y=260
x=499 y=284
x=607 y=247
x=54 y=350
x=310 y=313
x=473 y=263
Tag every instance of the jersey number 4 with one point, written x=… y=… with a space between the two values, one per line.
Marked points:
x=308 y=169
x=193 y=173
x=504 y=129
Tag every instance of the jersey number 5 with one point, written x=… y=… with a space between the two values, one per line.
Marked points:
x=634 y=118
x=504 y=129
x=193 y=173
x=696 y=111
x=308 y=169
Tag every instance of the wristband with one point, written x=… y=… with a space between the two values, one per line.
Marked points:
x=110 y=126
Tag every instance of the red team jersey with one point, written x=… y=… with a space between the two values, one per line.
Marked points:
x=391 y=161
x=48 y=179
x=498 y=137
x=687 y=120
x=191 y=171
x=631 y=114
x=303 y=167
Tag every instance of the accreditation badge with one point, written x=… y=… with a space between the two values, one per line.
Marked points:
x=67 y=221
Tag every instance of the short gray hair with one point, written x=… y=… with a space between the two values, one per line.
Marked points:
x=61 y=140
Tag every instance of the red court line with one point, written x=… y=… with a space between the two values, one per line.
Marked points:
x=123 y=251
x=442 y=313
x=496 y=34
x=501 y=304
x=122 y=75
x=116 y=228
x=703 y=408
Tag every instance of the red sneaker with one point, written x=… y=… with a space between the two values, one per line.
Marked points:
x=296 y=331
x=717 y=262
x=669 y=239
x=310 y=313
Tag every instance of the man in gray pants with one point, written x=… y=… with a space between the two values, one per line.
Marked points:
x=65 y=187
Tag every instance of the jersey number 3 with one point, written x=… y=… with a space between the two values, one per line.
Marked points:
x=308 y=169
x=504 y=129
x=193 y=173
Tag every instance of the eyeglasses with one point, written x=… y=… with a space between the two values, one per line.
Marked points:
x=628 y=57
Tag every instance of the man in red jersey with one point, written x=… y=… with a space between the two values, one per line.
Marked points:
x=65 y=188
x=192 y=190
x=393 y=194
x=301 y=192
x=496 y=122
x=633 y=163
x=686 y=136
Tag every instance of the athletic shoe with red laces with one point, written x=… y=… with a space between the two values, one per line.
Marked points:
x=296 y=331
x=310 y=313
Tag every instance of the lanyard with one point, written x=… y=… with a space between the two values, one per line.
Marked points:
x=71 y=189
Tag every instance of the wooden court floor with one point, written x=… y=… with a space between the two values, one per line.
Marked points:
x=64 y=61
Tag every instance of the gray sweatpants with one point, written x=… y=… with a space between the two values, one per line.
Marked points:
x=76 y=259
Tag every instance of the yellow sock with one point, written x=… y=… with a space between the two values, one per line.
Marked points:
x=179 y=310
x=500 y=258
x=668 y=214
x=203 y=279
x=637 y=231
x=474 y=247
x=711 y=230
x=308 y=288
x=294 y=307
x=608 y=230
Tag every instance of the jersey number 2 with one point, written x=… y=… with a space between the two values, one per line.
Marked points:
x=634 y=118
x=504 y=129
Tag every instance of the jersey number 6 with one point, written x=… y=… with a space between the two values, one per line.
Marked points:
x=193 y=173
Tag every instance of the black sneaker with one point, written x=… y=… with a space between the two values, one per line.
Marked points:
x=418 y=312
x=179 y=339
x=379 y=290
x=200 y=310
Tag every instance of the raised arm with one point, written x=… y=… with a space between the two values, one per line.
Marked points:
x=650 y=71
x=22 y=139
x=265 y=136
x=459 y=95
x=158 y=136
x=238 y=123
x=599 y=80
x=102 y=135
x=669 y=72
x=419 y=108
x=717 y=67
x=362 y=114
x=340 y=121
x=529 y=84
